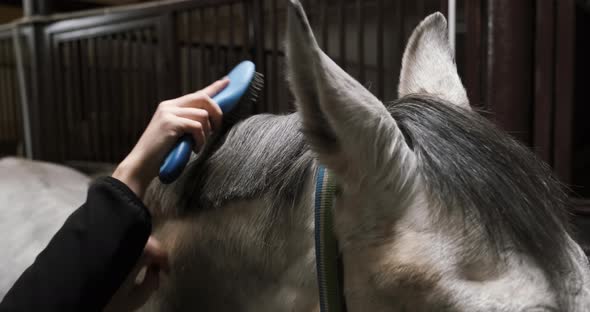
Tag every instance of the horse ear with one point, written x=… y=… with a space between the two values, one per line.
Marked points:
x=349 y=128
x=428 y=65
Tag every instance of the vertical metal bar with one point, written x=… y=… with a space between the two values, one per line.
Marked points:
x=126 y=94
x=106 y=60
x=452 y=8
x=93 y=98
x=6 y=99
x=168 y=61
x=325 y=26
x=361 y=39
x=189 y=50
x=224 y=50
x=62 y=71
x=10 y=91
x=10 y=98
x=36 y=88
x=151 y=70
x=342 y=29
x=94 y=134
x=246 y=30
x=544 y=79
x=83 y=103
x=510 y=69
x=232 y=38
x=275 y=51
x=58 y=76
x=63 y=54
x=87 y=100
x=123 y=107
x=3 y=102
x=564 y=95
x=198 y=48
x=22 y=91
x=101 y=97
x=67 y=98
x=380 y=52
x=136 y=83
x=150 y=50
x=402 y=23
x=14 y=86
x=90 y=100
x=143 y=71
x=7 y=102
x=203 y=35
x=474 y=46
x=36 y=7
x=79 y=104
x=118 y=102
x=216 y=57
x=489 y=68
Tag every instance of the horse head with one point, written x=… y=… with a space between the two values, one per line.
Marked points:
x=437 y=208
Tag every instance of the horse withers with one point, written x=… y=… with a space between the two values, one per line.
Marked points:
x=435 y=210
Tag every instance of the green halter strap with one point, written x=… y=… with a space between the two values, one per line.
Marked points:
x=328 y=261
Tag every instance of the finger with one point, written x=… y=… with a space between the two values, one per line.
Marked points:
x=196 y=114
x=157 y=254
x=195 y=128
x=216 y=87
x=202 y=101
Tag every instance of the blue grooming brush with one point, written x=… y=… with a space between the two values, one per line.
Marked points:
x=235 y=100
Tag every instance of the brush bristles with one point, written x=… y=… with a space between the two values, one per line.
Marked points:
x=245 y=107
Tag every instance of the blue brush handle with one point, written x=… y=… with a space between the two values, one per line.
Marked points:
x=239 y=82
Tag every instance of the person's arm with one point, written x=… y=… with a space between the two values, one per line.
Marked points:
x=89 y=257
x=86 y=262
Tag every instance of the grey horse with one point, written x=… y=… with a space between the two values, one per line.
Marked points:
x=436 y=208
x=35 y=200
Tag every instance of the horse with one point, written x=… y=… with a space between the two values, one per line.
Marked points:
x=35 y=200
x=435 y=208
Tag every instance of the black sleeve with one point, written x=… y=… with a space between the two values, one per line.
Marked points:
x=89 y=257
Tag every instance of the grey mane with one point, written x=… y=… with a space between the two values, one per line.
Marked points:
x=479 y=173
x=264 y=155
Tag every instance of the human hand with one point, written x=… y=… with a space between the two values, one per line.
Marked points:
x=135 y=290
x=195 y=113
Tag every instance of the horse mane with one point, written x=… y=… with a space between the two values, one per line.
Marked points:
x=262 y=156
x=473 y=169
